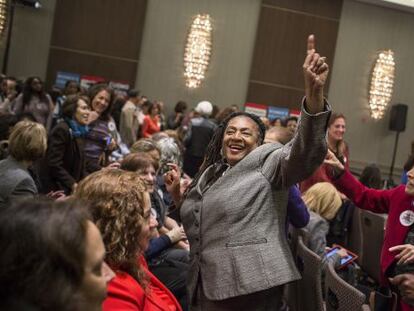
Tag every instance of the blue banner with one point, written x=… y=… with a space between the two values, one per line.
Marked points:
x=277 y=113
x=62 y=77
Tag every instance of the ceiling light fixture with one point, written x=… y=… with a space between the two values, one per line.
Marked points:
x=382 y=83
x=197 y=50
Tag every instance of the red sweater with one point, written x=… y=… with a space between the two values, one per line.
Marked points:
x=125 y=293
x=150 y=126
x=393 y=202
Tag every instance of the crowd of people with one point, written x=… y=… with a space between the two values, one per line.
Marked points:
x=106 y=203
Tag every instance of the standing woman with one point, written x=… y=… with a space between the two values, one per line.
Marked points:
x=99 y=141
x=234 y=211
x=65 y=155
x=151 y=123
x=35 y=101
x=336 y=144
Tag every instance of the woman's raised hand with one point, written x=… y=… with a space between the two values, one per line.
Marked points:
x=333 y=161
x=315 y=72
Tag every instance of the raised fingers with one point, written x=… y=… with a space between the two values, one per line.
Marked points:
x=311 y=44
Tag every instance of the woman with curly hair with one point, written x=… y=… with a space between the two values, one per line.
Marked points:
x=120 y=207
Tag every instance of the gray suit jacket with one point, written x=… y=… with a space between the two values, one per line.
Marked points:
x=236 y=227
x=15 y=182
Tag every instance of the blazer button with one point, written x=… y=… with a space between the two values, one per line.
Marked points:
x=196 y=224
x=196 y=211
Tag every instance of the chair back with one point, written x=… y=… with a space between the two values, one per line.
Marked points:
x=307 y=292
x=339 y=295
x=373 y=229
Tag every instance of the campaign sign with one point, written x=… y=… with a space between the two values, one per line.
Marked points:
x=277 y=113
x=63 y=77
x=120 y=88
x=87 y=81
x=257 y=109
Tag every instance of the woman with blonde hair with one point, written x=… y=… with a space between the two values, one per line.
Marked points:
x=323 y=202
x=120 y=207
x=27 y=143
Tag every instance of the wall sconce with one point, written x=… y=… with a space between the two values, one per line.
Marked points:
x=3 y=16
x=197 y=50
x=382 y=83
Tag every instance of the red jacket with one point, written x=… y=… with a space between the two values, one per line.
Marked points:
x=150 y=126
x=126 y=294
x=393 y=202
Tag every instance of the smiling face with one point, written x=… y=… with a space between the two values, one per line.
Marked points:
x=409 y=187
x=337 y=129
x=101 y=102
x=240 y=138
x=82 y=112
x=148 y=175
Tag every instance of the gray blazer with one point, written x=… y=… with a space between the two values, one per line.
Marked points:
x=15 y=182
x=236 y=227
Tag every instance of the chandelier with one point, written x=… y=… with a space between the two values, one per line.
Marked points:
x=3 y=16
x=382 y=82
x=197 y=50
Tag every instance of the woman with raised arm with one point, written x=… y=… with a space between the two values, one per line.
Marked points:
x=397 y=255
x=234 y=211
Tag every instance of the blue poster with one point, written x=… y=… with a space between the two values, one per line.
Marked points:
x=277 y=113
x=62 y=77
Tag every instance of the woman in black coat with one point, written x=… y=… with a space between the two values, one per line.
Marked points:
x=65 y=155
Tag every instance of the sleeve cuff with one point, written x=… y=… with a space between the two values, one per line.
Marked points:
x=326 y=109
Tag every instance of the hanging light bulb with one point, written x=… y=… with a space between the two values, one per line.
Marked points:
x=197 y=50
x=382 y=83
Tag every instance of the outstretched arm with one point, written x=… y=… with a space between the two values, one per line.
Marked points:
x=298 y=159
x=376 y=201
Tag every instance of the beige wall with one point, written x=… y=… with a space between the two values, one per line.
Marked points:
x=160 y=73
x=365 y=29
x=30 y=40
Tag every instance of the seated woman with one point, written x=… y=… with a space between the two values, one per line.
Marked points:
x=65 y=154
x=52 y=258
x=27 y=143
x=397 y=255
x=323 y=202
x=120 y=207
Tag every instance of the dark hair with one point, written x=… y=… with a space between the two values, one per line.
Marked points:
x=408 y=165
x=97 y=88
x=43 y=246
x=28 y=91
x=292 y=118
x=371 y=177
x=213 y=151
x=152 y=106
x=180 y=106
x=136 y=161
x=71 y=104
x=133 y=93
x=224 y=113
x=6 y=123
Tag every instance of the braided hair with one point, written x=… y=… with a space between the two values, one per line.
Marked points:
x=213 y=151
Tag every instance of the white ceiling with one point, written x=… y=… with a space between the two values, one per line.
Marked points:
x=404 y=5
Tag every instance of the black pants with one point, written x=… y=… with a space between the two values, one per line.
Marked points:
x=173 y=274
